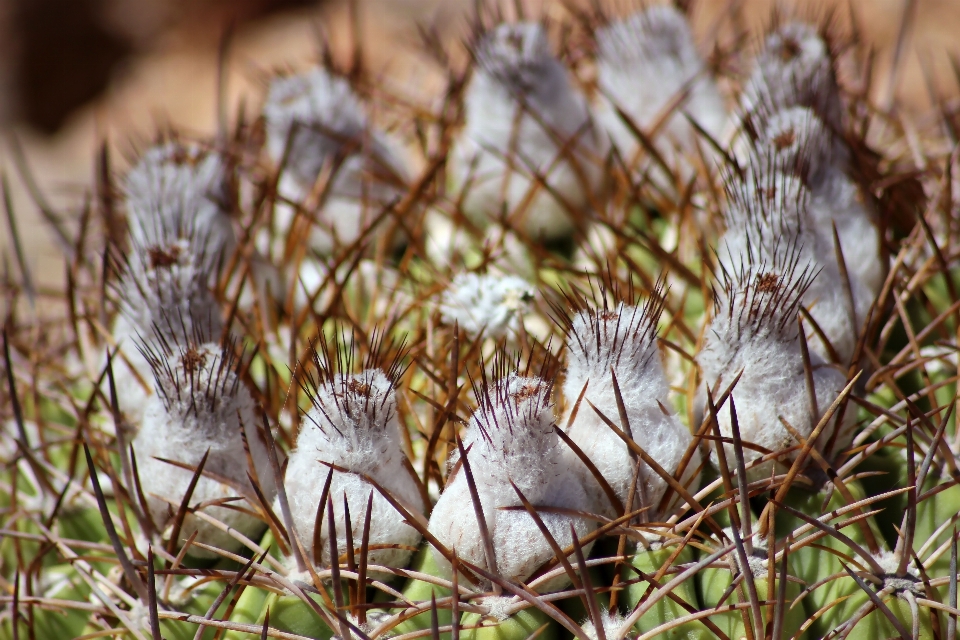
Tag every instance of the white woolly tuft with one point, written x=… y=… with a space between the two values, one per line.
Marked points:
x=201 y=406
x=165 y=296
x=498 y=606
x=521 y=112
x=611 y=621
x=310 y=118
x=177 y=187
x=515 y=54
x=622 y=340
x=355 y=420
x=644 y=63
x=796 y=142
x=795 y=69
x=489 y=303
x=769 y=218
x=511 y=435
x=767 y=210
x=755 y=330
x=314 y=121
x=165 y=292
x=511 y=438
x=353 y=424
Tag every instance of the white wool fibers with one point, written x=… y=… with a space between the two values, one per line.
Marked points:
x=523 y=117
x=795 y=69
x=316 y=125
x=622 y=341
x=489 y=303
x=511 y=439
x=180 y=188
x=646 y=64
x=201 y=408
x=754 y=333
x=353 y=424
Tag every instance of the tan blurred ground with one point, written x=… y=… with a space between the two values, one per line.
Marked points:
x=174 y=82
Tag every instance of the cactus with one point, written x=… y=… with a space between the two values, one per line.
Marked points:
x=708 y=320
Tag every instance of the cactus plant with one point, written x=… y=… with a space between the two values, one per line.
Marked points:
x=725 y=408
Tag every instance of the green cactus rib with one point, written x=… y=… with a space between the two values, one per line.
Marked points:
x=644 y=565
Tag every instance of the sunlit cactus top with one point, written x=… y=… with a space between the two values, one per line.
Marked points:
x=178 y=186
x=795 y=69
x=648 y=60
x=512 y=432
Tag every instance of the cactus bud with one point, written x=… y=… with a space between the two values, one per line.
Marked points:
x=201 y=408
x=523 y=117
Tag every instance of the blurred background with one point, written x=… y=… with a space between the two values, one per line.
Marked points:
x=74 y=73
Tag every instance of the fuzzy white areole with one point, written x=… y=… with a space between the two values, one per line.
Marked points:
x=796 y=141
x=768 y=220
x=316 y=126
x=180 y=187
x=795 y=68
x=755 y=331
x=201 y=407
x=353 y=425
x=648 y=63
x=511 y=439
x=486 y=303
x=622 y=340
x=524 y=117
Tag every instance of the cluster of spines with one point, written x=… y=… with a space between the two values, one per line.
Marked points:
x=764 y=204
x=492 y=391
x=795 y=68
x=633 y=340
x=316 y=102
x=178 y=370
x=160 y=281
x=513 y=54
x=759 y=298
x=793 y=140
x=647 y=35
x=176 y=219
x=751 y=277
x=334 y=378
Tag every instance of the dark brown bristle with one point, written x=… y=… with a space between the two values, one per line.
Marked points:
x=767 y=282
x=193 y=360
x=785 y=139
x=161 y=257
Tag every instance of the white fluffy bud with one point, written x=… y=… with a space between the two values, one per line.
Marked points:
x=755 y=330
x=165 y=291
x=769 y=219
x=489 y=303
x=795 y=69
x=201 y=406
x=644 y=63
x=521 y=113
x=622 y=341
x=316 y=123
x=511 y=438
x=796 y=142
x=353 y=424
x=180 y=188
x=164 y=296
